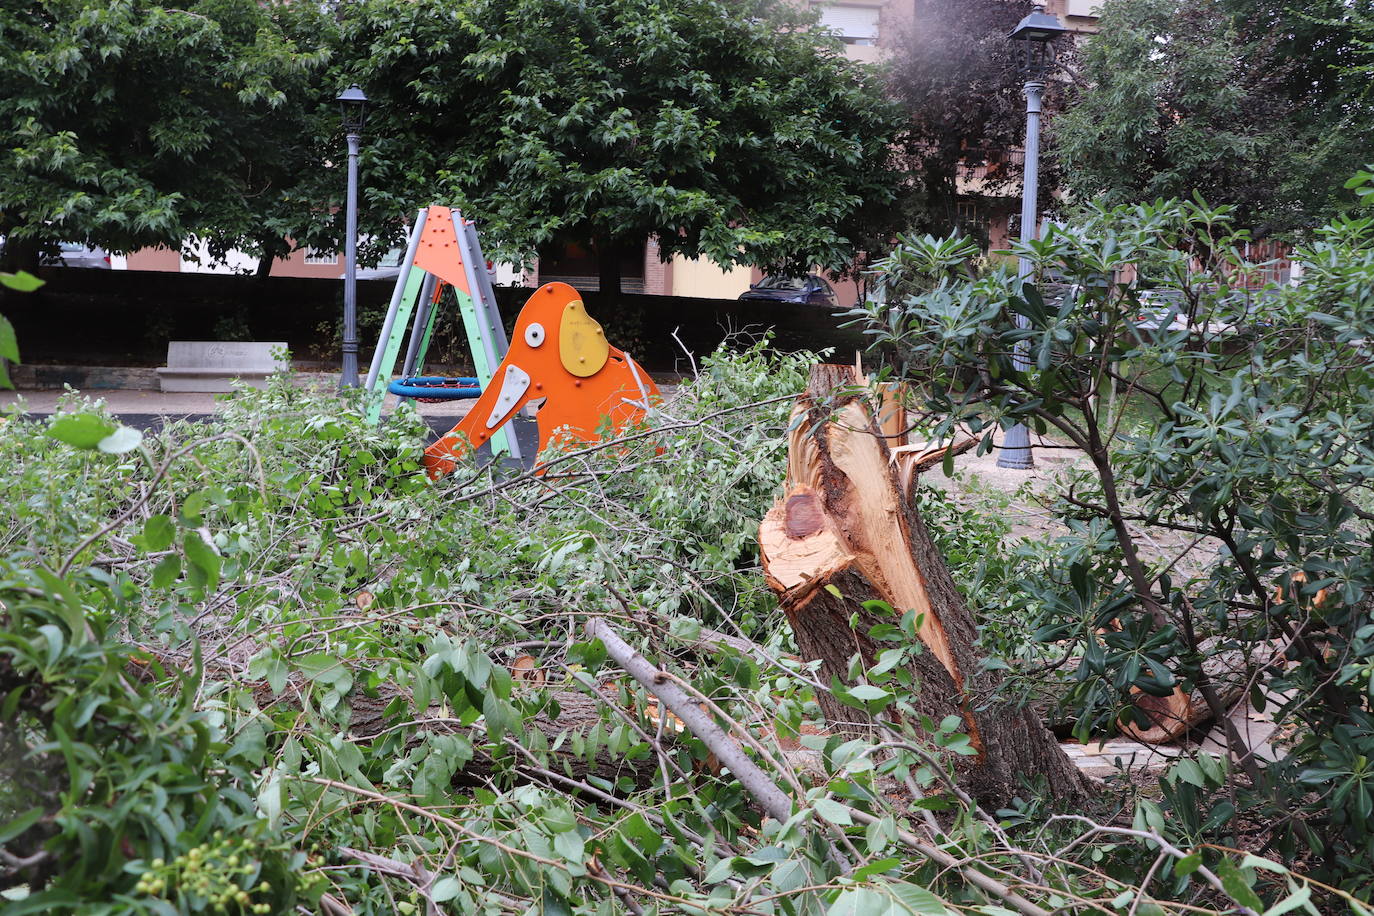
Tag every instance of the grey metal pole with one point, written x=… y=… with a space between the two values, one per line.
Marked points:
x=349 y=376
x=397 y=294
x=1016 y=447
x=418 y=326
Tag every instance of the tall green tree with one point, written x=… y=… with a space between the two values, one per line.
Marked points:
x=957 y=77
x=133 y=123
x=731 y=130
x=1238 y=100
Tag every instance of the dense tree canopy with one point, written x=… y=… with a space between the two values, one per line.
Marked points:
x=736 y=131
x=957 y=77
x=132 y=123
x=1243 y=101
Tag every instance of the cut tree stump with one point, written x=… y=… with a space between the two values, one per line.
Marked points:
x=846 y=525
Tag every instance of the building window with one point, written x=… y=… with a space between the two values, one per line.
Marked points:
x=1082 y=7
x=315 y=256
x=857 y=25
x=971 y=221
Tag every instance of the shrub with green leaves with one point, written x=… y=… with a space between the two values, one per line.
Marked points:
x=265 y=663
x=1230 y=415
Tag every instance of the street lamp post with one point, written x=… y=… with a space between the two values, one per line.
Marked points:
x=353 y=108
x=1035 y=35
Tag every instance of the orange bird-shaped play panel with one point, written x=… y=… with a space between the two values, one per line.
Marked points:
x=560 y=355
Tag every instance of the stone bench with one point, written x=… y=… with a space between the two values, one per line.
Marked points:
x=211 y=365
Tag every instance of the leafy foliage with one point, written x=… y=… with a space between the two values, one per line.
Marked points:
x=316 y=679
x=1218 y=98
x=958 y=79
x=133 y=124
x=1258 y=454
x=737 y=132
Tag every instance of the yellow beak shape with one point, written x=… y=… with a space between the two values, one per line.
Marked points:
x=581 y=343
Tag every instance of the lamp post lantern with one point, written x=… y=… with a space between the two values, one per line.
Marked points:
x=1034 y=36
x=353 y=108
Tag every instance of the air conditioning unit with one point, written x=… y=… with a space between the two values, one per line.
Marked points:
x=1082 y=7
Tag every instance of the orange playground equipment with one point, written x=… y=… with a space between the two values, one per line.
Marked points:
x=558 y=356
x=559 y=360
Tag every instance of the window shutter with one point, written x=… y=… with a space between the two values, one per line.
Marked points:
x=854 y=23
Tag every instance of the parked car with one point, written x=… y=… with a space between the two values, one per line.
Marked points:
x=809 y=290
x=79 y=254
x=386 y=269
x=72 y=254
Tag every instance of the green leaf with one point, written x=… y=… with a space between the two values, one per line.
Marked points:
x=859 y=901
x=19 y=824
x=192 y=507
x=833 y=811
x=21 y=281
x=124 y=439
x=446 y=888
x=166 y=571
x=868 y=693
x=722 y=870
x=324 y=668
x=9 y=344
x=81 y=430
x=1234 y=883
x=1188 y=864
x=158 y=533
x=875 y=868
x=569 y=845
x=918 y=899
x=202 y=557
x=1298 y=898
x=1253 y=861
x=270 y=799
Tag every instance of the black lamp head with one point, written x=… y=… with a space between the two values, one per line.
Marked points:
x=1034 y=36
x=1038 y=26
x=353 y=108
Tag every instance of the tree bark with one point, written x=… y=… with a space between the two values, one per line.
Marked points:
x=846 y=525
x=608 y=252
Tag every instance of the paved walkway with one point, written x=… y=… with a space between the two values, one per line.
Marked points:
x=144 y=408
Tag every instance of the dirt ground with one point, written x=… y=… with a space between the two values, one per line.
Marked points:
x=1023 y=498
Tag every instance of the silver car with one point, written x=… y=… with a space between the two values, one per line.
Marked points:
x=79 y=254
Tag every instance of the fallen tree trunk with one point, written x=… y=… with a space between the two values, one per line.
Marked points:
x=846 y=533
x=1228 y=671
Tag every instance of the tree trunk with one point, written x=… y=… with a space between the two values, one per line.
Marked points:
x=273 y=247
x=20 y=254
x=608 y=252
x=847 y=526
